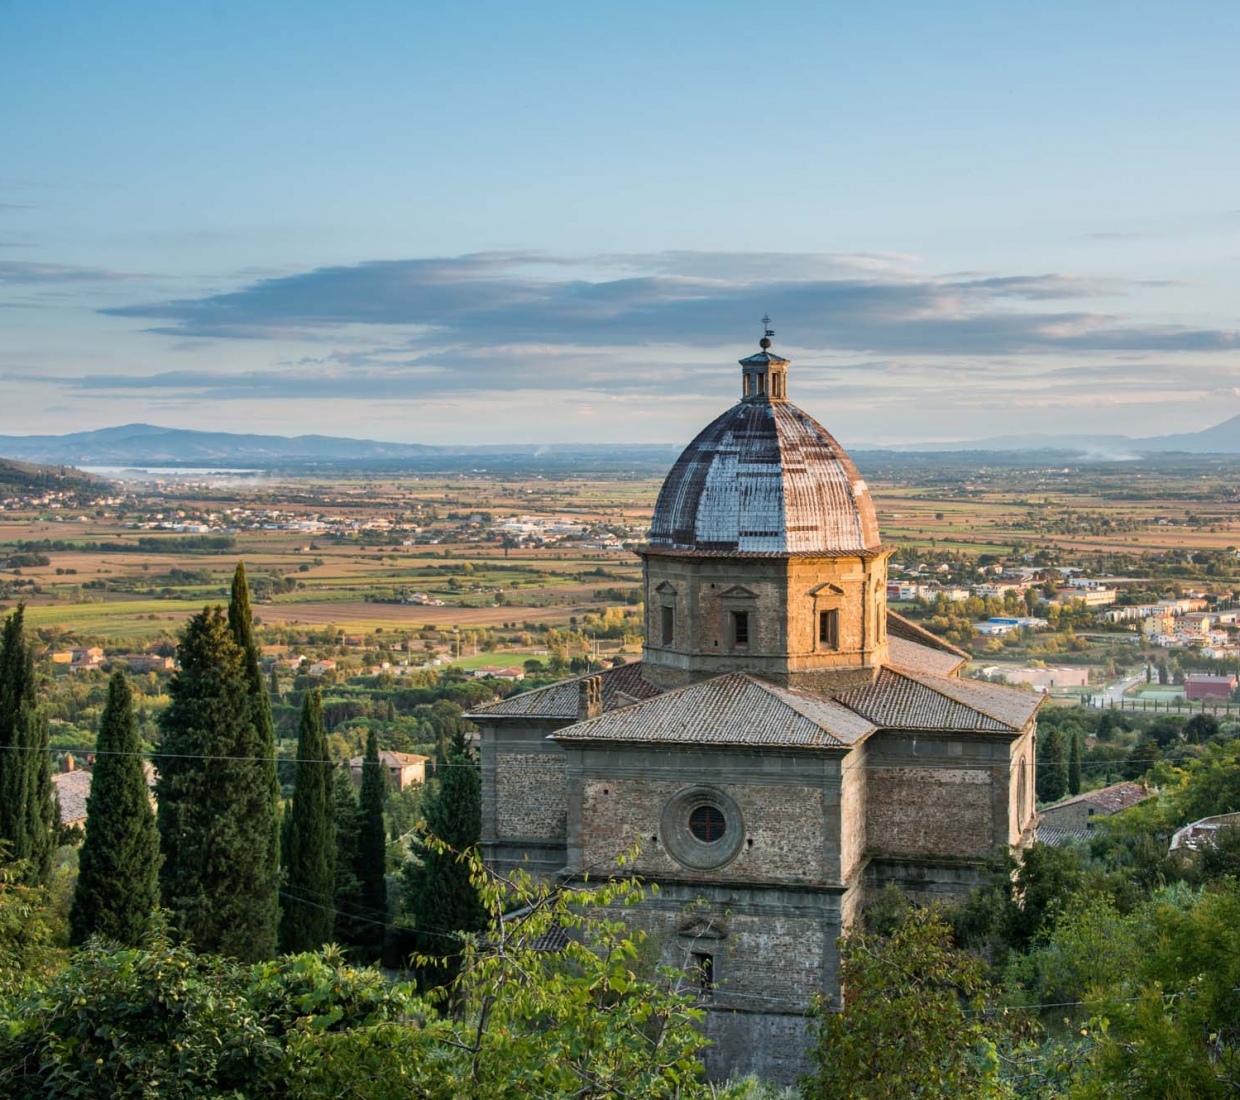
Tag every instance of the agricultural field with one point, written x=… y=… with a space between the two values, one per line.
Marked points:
x=408 y=555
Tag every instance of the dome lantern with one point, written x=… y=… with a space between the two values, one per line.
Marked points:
x=764 y=375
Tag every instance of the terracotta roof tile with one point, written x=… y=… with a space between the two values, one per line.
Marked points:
x=72 y=791
x=920 y=658
x=621 y=686
x=734 y=709
x=1112 y=799
x=901 y=699
x=900 y=627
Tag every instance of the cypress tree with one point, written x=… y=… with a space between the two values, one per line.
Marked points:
x=214 y=798
x=28 y=817
x=1053 y=766
x=16 y=685
x=346 y=889
x=370 y=863
x=310 y=851
x=439 y=896
x=42 y=805
x=118 y=866
x=241 y=623
x=1074 y=764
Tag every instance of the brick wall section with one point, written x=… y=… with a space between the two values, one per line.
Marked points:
x=928 y=811
x=852 y=812
x=530 y=795
x=787 y=595
x=785 y=824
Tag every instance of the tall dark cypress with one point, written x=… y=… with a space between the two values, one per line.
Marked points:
x=307 y=906
x=27 y=802
x=1052 y=766
x=1074 y=763
x=16 y=685
x=214 y=800
x=439 y=898
x=118 y=866
x=370 y=864
x=346 y=889
x=241 y=623
x=42 y=805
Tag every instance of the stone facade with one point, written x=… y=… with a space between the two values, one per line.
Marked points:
x=810 y=622
x=786 y=748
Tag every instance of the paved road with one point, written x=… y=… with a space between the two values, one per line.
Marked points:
x=1114 y=693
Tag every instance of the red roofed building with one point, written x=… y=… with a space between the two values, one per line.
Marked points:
x=1200 y=685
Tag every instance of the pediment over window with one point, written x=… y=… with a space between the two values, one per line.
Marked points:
x=826 y=589
x=665 y=588
x=738 y=592
x=698 y=926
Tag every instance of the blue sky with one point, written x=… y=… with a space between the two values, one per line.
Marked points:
x=501 y=222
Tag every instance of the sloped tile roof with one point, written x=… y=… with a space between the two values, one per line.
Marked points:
x=1057 y=837
x=72 y=791
x=621 y=687
x=901 y=699
x=921 y=658
x=900 y=627
x=1112 y=799
x=734 y=709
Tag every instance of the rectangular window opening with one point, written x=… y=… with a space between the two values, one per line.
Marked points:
x=762 y=383
x=829 y=629
x=669 y=625
x=702 y=967
x=740 y=627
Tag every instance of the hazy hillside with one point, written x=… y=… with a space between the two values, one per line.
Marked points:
x=18 y=476
x=145 y=444
x=151 y=444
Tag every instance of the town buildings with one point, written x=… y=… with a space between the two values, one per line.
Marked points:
x=404 y=768
x=785 y=748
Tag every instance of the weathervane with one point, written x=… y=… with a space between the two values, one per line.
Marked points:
x=767 y=333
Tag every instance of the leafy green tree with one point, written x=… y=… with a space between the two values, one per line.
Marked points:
x=574 y=1021
x=214 y=799
x=441 y=900
x=1143 y=756
x=310 y=851
x=118 y=866
x=1074 y=763
x=241 y=623
x=910 y=1023
x=29 y=932
x=160 y=1022
x=28 y=816
x=370 y=863
x=1052 y=782
x=1200 y=728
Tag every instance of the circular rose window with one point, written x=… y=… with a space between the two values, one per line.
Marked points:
x=707 y=824
x=702 y=828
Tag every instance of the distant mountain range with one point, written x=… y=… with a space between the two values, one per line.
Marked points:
x=149 y=445
x=146 y=444
x=1223 y=439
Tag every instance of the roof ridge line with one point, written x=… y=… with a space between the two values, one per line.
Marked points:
x=780 y=689
x=668 y=694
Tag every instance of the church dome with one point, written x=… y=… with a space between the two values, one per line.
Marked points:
x=765 y=478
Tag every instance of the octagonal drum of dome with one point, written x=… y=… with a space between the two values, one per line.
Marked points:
x=765 y=478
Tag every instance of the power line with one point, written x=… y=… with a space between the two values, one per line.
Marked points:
x=912 y=763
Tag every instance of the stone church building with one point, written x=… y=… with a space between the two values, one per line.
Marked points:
x=786 y=747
